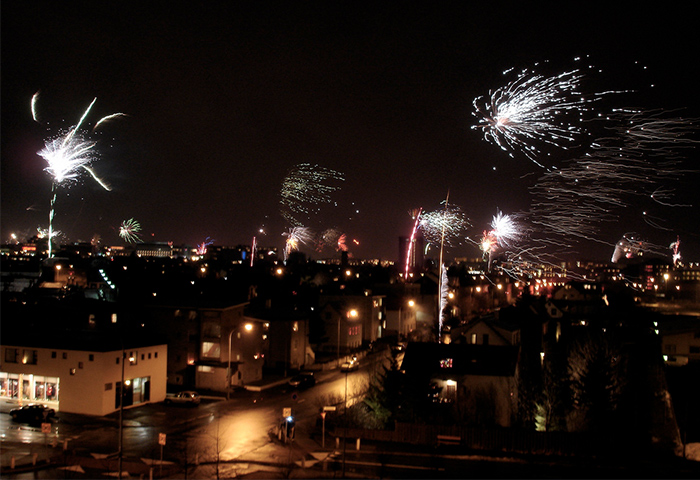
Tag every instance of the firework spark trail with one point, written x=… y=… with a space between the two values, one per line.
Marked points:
x=304 y=188
x=108 y=118
x=600 y=186
x=654 y=132
x=35 y=98
x=443 y=298
x=676 y=246
x=411 y=246
x=662 y=195
x=295 y=237
x=129 y=231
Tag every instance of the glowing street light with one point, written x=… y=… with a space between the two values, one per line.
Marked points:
x=247 y=327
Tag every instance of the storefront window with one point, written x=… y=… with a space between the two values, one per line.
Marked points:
x=39 y=390
x=51 y=388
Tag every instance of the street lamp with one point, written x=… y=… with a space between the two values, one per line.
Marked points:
x=248 y=327
x=411 y=304
x=351 y=314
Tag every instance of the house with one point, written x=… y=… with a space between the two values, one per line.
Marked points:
x=488 y=330
x=680 y=339
x=364 y=310
x=82 y=372
x=73 y=353
x=286 y=343
x=479 y=379
x=343 y=328
x=210 y=347
x=400 y=316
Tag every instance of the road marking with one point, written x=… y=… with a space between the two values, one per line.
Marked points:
x=394 y=465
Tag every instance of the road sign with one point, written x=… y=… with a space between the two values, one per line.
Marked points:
x=323 y=415
x=161 y=439
x=45 y=427
x=329 y=408
x=287 y=412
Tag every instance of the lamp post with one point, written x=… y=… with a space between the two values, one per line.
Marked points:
x=248 y=327
x=228 y=368
x=121 y=413
x=345 y=421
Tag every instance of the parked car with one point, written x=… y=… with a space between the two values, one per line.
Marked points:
x=32 y=413
x=350 y=366
x=303 y=380
x=188 y=397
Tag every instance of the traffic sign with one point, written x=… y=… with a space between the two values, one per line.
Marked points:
x=287 y=412
x=329 y=408
x=45 y=427
x=161 y=439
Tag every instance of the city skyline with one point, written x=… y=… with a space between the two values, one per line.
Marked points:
x=220 y=107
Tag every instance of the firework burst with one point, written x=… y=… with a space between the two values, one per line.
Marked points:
x=202 y=247
x=129 y=231
x=67 y=156
x=532 y=111
x=296 y=236
x=304 y=188
x=444 y=226
x=505 y=231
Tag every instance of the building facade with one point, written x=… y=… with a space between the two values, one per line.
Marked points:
x=84 y=381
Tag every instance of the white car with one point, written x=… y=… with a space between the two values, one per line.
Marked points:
x=349 y=366
x=188 y=397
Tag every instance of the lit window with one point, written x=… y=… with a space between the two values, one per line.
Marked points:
x=211 y=349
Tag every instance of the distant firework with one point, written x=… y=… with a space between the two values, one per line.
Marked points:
x=202 y=247
x=328 y=238
x=129 y=231
x=505 y=231
x=341 y=245
x=304 y=188
x=629 y=246
x=676 y=248
x=296 y=236
x=444 y=225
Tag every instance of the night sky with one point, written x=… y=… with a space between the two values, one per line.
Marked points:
x=223 y=98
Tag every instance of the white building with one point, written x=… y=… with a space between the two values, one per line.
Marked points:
x=83 y=381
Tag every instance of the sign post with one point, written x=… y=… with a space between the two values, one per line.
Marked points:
x=326 y=408
x=45 y=429
x=161 y=442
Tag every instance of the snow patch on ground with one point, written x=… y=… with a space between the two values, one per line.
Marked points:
x=692 y=451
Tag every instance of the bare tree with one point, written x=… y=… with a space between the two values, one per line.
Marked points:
x=597 y=369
